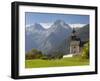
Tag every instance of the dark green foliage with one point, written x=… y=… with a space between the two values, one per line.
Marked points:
x=55 y=55
x=44 y=57
x=58 y=55
x=85 y=53
x=33 y=54
x=36 y=54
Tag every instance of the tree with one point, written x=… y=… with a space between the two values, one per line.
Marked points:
x=33 y=54
x=56 y=55
x=85 y=53
x=28 y=55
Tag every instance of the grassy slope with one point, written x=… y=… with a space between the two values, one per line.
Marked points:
x=72 y=61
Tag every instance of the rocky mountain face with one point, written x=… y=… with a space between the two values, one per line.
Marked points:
x=82 y=33
x=54 y=39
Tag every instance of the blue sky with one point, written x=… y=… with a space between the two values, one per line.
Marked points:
x=32 y=18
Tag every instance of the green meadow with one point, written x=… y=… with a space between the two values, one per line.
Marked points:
x=69 y=61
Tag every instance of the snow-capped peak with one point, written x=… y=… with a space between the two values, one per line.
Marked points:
x=46 y=25
x=77 y=25
x=59 y=24
x=34 y=26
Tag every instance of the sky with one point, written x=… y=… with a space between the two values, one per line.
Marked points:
x=33 y=17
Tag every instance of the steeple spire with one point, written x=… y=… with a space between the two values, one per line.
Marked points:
x=74 y=35
x=73 y=31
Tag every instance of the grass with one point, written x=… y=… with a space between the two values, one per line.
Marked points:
x=70 y=61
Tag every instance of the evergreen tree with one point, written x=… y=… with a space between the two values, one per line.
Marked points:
x=85 y=53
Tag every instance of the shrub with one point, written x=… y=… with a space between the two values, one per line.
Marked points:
x=85 y=53
x=33 y=54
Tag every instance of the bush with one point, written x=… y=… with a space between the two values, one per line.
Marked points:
x=33 y=54
x=55 y=55
x=85 y=53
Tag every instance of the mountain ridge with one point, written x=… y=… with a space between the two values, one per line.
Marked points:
x=47 y=40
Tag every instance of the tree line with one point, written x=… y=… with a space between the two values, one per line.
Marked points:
x=33 y=54
x=37 y=54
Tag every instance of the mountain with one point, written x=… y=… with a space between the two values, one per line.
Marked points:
x=82 y=33
x=34 y=26
x=46 y=40
x=54 y=39
x=33 y=35
x=77 y=25
x=55 y=35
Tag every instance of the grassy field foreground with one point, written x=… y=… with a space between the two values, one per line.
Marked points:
x=71 y=61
